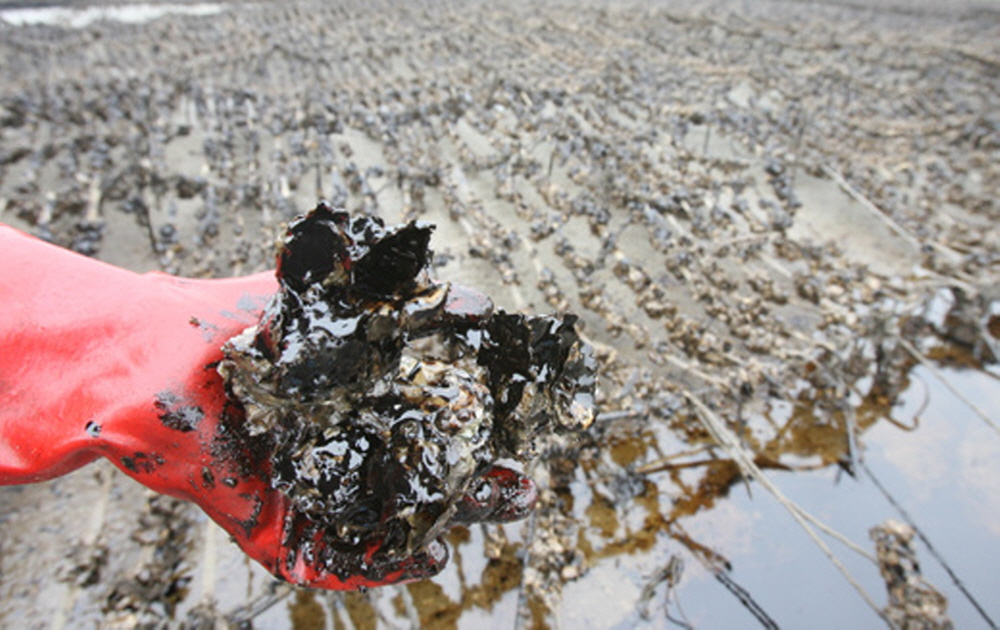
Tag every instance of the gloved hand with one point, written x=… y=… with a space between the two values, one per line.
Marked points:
x=99 y=361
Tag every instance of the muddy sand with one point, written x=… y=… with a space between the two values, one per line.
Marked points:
x=776 y=220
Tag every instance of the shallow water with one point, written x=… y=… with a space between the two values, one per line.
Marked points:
x=943 y=473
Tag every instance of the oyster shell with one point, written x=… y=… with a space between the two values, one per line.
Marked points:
x=388 y=398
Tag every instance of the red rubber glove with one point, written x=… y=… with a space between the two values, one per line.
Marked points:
x=99 y=361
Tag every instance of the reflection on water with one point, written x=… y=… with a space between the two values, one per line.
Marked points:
x=85 y=16
x=926 y=472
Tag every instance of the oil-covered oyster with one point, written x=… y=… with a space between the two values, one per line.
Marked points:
x=389 y=398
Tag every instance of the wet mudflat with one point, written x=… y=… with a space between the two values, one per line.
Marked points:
x=776 y=222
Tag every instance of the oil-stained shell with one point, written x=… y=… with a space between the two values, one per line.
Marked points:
x=390 y=397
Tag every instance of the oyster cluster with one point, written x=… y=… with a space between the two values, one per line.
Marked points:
x=388 y=399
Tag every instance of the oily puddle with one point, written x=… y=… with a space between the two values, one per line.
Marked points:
x=943 y=472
